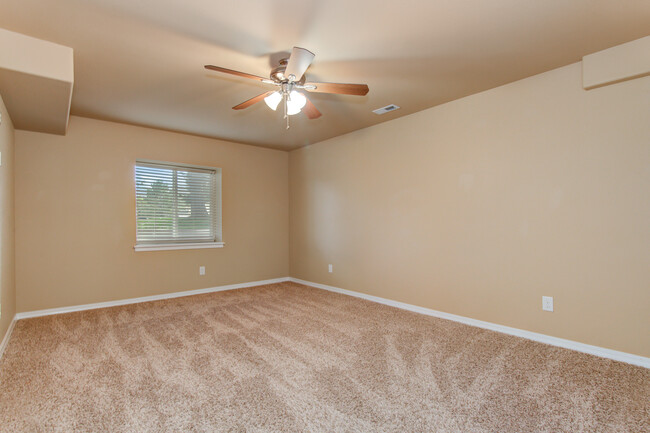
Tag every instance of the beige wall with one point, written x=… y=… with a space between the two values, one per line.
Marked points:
x=7 y=276
x=477 y=207
x=480 y=206
x=75 y=215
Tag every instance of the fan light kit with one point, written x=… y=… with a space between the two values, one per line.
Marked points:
x=294 y=103
x=290 y=77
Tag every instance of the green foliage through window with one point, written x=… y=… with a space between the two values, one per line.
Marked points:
x=176 y=204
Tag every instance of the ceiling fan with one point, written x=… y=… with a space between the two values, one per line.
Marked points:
x=290 y=77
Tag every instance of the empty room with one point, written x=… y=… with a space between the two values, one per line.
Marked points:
x=325 y=216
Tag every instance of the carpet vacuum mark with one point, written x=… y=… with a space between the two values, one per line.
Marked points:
x=290 y=358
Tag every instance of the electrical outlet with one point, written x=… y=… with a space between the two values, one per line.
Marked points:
x=547 y=303
x=201 y=270
x=330 y=268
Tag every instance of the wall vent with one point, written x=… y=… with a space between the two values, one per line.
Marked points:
x=386 y=109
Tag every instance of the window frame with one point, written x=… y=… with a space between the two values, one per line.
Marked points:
x=181 y=244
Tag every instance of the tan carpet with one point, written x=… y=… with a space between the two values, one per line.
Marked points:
x=288 y=358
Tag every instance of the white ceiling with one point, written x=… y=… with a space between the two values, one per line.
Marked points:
x=141 y=61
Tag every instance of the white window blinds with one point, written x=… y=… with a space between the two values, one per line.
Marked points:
x=177 y=204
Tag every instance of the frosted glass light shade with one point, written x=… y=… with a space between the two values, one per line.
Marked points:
x=273 y=100
x=295 y=103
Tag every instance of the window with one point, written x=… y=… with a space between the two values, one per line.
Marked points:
x=177 y=206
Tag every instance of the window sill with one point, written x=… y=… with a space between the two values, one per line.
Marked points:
x=184 y=246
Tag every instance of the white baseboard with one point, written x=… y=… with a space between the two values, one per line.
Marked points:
x=547 y=339
x=5 y=339
x=50 y=311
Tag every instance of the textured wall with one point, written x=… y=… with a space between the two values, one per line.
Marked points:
x=75 y=215
x=480 y=206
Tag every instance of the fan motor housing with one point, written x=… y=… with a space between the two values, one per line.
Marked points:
x=277 y=74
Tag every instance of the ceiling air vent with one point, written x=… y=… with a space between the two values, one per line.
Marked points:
x=386 y=109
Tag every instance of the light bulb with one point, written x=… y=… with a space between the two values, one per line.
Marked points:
x=273 y=100
x=295 y=103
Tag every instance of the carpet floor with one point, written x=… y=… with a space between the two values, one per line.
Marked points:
x=290 y=358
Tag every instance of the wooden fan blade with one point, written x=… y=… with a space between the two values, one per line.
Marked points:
x=338 y=88
x=310 y=110
x=251 y=101
x=299 y=61
x=237 y=73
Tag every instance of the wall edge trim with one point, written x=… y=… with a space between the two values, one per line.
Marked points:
x=602 y=352
x=7 y=336
x=116 y=303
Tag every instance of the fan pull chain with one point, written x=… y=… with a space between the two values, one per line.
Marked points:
x=286 y=103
